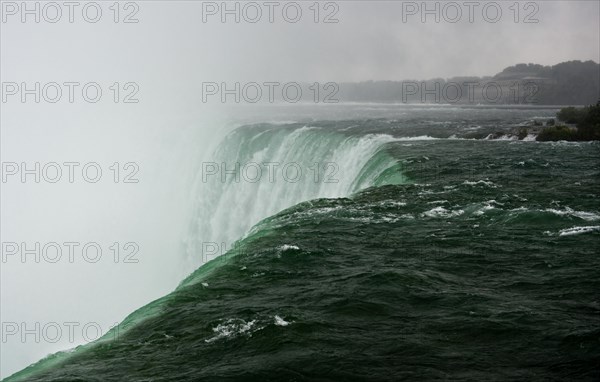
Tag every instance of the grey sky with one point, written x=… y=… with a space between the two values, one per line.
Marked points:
x=370 y=41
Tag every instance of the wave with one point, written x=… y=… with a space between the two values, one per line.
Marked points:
x=578 y=230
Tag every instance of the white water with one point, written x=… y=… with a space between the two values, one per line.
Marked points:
x=276 y=169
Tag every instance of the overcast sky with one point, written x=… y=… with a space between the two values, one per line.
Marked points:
x=370 y=41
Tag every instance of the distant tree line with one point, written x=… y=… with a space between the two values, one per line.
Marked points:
x=568 y=83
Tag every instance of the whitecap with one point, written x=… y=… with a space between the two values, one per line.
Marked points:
x=232 y=328
x=578 y=230
x=483 y=182
x=280 y=321
x=584 y=215
x=286 y=247
x=441 y=212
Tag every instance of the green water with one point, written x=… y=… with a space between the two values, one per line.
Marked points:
x=465 y=260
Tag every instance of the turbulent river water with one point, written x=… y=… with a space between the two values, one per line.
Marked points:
x=409 y=247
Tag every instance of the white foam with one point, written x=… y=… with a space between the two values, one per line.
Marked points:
x=488 y=206
x=483 y=182
x=280 y=321
x=587 y=216
x=483 y=210
x=418 y=138
x=578 y=230
x=392 y=203
x=232 y=328
x=505 y=137
x=441 y=212
x=286 y=247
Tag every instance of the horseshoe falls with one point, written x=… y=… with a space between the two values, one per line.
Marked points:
x=262 y=169
x=374 y=243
